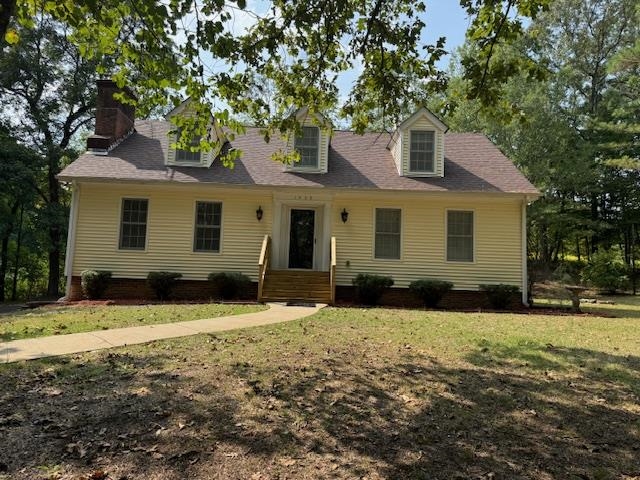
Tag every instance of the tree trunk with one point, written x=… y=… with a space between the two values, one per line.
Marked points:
x=4 y=250
x=55 y=228
x=16 y=263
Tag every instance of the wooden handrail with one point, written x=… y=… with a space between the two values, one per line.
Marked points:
x=263 y=263
x=333 y=270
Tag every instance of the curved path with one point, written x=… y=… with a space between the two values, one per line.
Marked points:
x=32 y=348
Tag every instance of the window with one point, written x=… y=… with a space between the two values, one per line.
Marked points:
x=421 y=151
x=387 y=233
x=459 y=236
x=307 y=146
x=133 y=224
x=207 y=230
x=188 y=156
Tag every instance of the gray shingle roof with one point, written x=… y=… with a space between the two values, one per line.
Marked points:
x=472 y=164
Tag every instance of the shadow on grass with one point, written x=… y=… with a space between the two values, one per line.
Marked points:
x=528 y=411
x=419 y=418
x=136 y=410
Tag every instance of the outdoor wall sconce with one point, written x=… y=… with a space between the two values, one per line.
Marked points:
x=345 y=215
x=259 y=213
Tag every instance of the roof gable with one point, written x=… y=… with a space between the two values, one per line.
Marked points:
x=424 y=112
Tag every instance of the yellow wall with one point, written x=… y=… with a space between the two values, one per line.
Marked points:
x=498 y=254
x=169 y=231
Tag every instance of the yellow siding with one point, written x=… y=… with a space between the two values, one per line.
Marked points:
x=497 y=240
x=169 y=230
x=498 y=246
x=423 y=123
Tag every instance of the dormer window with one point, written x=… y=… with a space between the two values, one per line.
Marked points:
x=417 y=145
x=421 y=153
x=187 y=156
x=308 y=146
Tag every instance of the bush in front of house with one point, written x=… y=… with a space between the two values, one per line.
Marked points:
x=162 y=283
x=230 y=285
x=606 y=271
x=430 y=291
x=369 y=288
x=500 y=296
x=94 y=283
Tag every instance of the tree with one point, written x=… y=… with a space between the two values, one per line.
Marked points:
x=18 y=167
x=299 y=46
x=573 y=130
x=48 y=88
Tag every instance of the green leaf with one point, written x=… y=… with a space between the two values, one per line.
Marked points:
x=11 y=37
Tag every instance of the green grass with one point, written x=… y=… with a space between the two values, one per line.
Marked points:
x=347 y=393
x=615 y=305
x=62 y=320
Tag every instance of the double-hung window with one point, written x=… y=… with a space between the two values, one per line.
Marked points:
x=308 y=146
x=186 y=155
x=421 y=151
x=387 y=237
x=206 y=236
x=133 y=224
x=460 y=236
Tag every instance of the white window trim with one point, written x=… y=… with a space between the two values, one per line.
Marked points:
x=146 y=236
x=373 y=244
x=307 y=168
x=193 y=228
x=435 y=141
x=180 y=163
x=446 y=236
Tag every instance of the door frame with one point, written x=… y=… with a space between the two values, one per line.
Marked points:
x=287 y=237
x=282 y=205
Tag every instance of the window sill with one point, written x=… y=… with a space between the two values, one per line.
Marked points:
x=422 y=174
x=304 y=170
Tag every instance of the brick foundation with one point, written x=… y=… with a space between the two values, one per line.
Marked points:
x=134 y=288
x=454 y=300
x=137 y=288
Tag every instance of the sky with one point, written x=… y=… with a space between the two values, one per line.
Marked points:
x=443 y=18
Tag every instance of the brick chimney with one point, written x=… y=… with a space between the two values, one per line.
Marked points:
x=114 y=121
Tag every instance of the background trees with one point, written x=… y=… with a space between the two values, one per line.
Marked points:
x=574 y=129
x=47 y=92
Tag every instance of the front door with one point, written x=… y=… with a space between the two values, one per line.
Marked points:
x=301 y=238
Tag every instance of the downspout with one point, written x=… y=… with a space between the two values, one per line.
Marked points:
x=525 y=280
x=71 y=237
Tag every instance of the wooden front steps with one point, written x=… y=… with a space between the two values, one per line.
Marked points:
x=296 y=285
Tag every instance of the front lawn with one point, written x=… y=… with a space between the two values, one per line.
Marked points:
x=45 y=321
x=347 y=393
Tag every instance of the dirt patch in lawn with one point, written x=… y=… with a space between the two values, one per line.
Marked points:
x=296 y=401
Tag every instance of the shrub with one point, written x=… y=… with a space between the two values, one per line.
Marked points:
x=500 y=295
x=230 y=284
x=430 y=291
x=94 y=283
x=369 y=288
x=606 y=271
x=162 y=283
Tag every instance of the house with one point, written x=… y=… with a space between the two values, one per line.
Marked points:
x=418 y=203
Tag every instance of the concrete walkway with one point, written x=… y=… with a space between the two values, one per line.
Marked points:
x=32 y=348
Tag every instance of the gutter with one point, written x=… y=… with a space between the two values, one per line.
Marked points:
x=71 y=236
x=525 y=279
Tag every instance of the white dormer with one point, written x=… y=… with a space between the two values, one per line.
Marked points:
x=186 y=157
x=417 y=145
x=312 y=144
